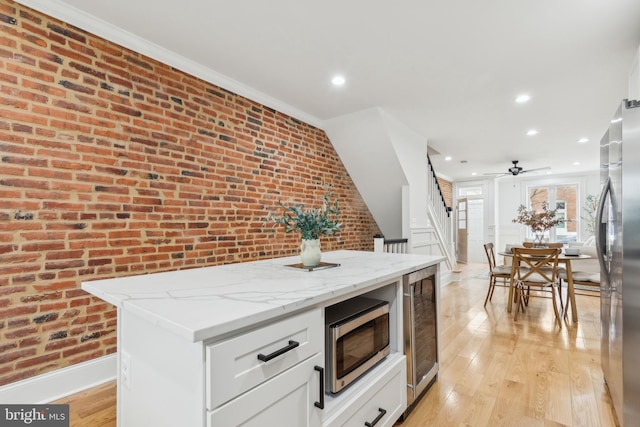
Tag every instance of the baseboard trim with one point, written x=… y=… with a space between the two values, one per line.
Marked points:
x=446 y=277
x=62 y=382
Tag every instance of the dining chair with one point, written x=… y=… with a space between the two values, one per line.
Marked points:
x=553 y=245
x=495 y=271
x=536 y=268
x=584 y=278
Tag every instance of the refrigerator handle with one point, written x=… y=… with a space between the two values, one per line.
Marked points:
x=601 y=232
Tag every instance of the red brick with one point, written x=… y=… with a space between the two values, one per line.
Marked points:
x=31 y=341
x=59 y=344
x=18 y=311
x=26 y=363
x=132 y=167
x=21 y=333
x=10 y=357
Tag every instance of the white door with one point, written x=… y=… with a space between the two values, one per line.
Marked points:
x=475 y=231
x=462 y=230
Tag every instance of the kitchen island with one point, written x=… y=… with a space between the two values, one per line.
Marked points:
x=187 y=341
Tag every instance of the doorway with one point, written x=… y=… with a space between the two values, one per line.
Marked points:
x=471 y=223
x=475 y=230
x=462 y=230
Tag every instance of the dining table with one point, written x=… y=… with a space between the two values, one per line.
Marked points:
x=571 y=296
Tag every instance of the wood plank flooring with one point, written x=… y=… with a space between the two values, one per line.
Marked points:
x=494 y=371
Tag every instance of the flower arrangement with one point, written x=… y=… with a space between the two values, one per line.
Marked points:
x=539 y=222
x=311 y=223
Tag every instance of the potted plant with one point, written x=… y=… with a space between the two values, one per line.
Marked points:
x=311 y=224
x=538 y=222
x=590 y=213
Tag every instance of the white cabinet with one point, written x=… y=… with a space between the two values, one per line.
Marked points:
x=270 y=376
x=378 y=400
x=233 y=349
x=287 y=400
x=236 y=365
x=384 y=406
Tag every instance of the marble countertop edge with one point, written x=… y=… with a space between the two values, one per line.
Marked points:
x=201 y=303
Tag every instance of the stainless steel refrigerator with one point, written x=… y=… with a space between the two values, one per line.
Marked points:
x=618 y=241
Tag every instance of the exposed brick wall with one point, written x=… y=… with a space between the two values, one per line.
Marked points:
x=113 y=164
x=539 y=197
x=447 y=190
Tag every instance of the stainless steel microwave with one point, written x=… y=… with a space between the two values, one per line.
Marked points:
x=357 y=337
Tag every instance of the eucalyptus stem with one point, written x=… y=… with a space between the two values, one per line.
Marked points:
x=310 y=223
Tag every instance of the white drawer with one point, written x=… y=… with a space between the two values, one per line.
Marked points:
x=233 y=366
x=287 y=400
x=388 y=393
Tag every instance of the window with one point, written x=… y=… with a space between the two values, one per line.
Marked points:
x=469 y=191
x=564 y=199
x=561 y=212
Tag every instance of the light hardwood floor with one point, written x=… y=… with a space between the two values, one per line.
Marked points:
x=494 y=371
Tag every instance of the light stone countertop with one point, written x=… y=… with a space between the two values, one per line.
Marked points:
x=202 y=303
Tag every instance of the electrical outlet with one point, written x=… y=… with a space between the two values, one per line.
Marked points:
x=125 y=369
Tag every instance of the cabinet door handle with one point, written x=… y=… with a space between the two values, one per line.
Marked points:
x=265 y=358
x=320 y=404
x=378 y=418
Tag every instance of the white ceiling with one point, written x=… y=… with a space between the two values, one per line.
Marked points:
x=450 y=70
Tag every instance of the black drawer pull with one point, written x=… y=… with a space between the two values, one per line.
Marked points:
x=265 y=358
x=378 y=418
x=320 y=404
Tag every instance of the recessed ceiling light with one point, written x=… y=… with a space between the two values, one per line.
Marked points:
x=576 y=163
x=521 y=99
x=474 y=173
x=532 y=132
x=338 y=80
x=583 y=140
x=448 y=158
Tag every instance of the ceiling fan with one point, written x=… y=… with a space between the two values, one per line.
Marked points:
x=516 y=170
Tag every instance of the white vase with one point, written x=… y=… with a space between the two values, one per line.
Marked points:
x=310 y=252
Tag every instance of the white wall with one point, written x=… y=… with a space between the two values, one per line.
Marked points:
x=362 y=141
x=383 y=156
x=634 y=78
x=411 y=149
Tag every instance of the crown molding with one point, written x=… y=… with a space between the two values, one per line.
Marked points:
x=78 y=18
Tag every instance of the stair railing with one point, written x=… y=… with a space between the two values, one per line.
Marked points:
x=440 y=216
